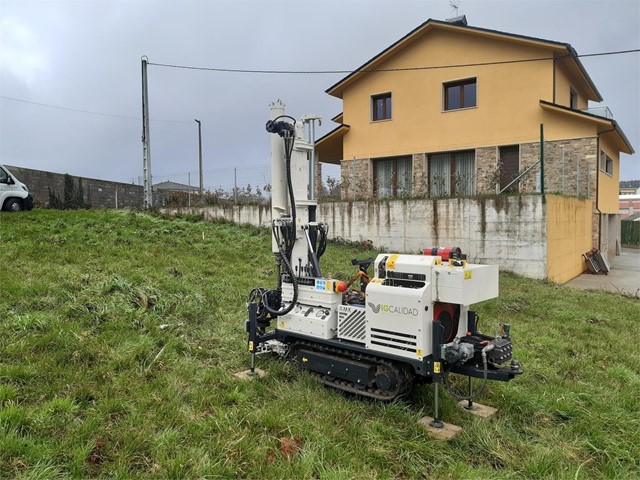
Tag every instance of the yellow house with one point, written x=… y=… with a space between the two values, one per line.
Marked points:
x=454 y=110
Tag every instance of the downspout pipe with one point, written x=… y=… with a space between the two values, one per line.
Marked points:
x=542 y=163
x=598 y=184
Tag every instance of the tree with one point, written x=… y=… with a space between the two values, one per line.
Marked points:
x=69 y=193
x=73 y=197
x=54 y=200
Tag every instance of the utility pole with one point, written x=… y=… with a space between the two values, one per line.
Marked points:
x=200 y=153
x=146 y=141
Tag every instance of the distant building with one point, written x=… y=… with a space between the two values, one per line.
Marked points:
x=629 y=190
x=173 y=193
x=174 y=187
x=629 y=206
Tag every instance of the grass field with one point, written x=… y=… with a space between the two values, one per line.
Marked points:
x=120 y=333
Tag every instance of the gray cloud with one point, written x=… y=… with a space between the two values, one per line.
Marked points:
x=86 y=55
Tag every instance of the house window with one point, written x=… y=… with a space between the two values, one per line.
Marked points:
x=606 y=163
x=381 y=107
x=573 y=98
x=452 y=174
x=392 y=177
x=509 y=164
x=460 y=94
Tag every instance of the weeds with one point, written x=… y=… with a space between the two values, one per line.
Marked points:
x=119 y=339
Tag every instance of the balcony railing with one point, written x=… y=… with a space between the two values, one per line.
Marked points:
x=600 y=111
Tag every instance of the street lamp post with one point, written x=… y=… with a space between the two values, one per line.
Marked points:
x=200 y=153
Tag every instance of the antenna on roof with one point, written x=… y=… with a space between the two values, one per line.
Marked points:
x=454 y=4
x=460 y=20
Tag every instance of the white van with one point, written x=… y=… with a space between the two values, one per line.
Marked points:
x=14 y=195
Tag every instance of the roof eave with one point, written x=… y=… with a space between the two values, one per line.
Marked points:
x=590 y=116
x=335 y=134
x=574 y=55
x=337 y=88
x=333 y=89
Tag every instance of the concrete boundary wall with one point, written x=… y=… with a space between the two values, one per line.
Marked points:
x=97 y=193
x=509 y=231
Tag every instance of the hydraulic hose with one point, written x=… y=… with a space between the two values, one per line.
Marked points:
x=478 y=392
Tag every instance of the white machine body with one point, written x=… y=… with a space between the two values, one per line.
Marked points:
x=410 y=323
x=400 y=303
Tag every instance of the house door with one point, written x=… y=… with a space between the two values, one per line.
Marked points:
x=509 y=163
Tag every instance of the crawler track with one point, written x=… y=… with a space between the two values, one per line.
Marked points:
x=402 y=374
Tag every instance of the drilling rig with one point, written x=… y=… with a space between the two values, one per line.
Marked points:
x=410 y=323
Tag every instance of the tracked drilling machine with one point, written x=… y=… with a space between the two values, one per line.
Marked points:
x=411 y=323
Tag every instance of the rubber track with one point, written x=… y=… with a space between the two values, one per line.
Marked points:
x=404 y=377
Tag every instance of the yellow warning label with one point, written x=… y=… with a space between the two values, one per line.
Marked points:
x=329 y=286
x=281 y=324
x=467 y=275
x=391 y=262
x=436 y=367
x=376 y=280
x=251 y=346
x=419 y=352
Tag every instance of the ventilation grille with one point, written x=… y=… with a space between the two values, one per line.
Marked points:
x=396 y=340
x=352 y=323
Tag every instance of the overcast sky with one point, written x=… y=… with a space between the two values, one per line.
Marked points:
x=85 y=55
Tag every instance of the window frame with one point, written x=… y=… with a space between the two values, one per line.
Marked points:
x=608 y=162
x=459 y=83
x=503 y=153
x=451 y=182
x=573 y=98
x=372 y=104
x=394 y=175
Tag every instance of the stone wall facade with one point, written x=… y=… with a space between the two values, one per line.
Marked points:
x=97 y=193
x=419 y=182
x=357 y=179
x=487 y=173
x=529 y=155
x=571 y=168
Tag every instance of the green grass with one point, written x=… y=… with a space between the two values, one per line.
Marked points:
x=120 y=333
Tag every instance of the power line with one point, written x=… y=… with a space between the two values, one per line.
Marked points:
x=101 y=114
x=309 y=72
x=403 y=69
x=265 y=167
